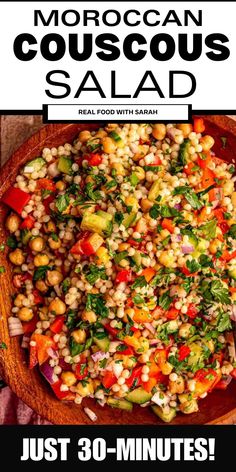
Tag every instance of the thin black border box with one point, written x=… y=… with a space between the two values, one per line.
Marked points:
x=47 y=121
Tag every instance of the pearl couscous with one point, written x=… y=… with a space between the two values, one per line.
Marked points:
x=123 y=247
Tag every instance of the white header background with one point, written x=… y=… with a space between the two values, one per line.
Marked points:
x=23 y=84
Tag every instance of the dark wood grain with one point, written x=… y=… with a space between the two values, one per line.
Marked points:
x=219 y=407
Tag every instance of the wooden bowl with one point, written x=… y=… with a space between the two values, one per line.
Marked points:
x=219 y=407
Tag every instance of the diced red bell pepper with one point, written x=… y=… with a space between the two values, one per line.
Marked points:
x=94 y=159
x=135 y=379
x=168 y=224
x=222 y=385
x=228 y=256
x=38 y=299
x=198 y=125
x=81 y=371
x=189 y=168
x=62 y=395
x=109 y=379
x=124 y=276
x=43 y=343
x=19 y=279
x=203 y=163
x=46 y=184
x=127 y=351
x=192 y=311
x=215 y=194
x=224 y=227
x=184 y=352
x=160 y=357
x=57 y=325
x=87 y=248
x=83 y=246
x=205 y=380
x=208 y=178
x=133 y=243
x=112 y=331
x=172 y=314
x=233 y=374
x=187 y=272
x=46 y=203
x=218 y=356
x=30 y=326
x=28 y=222
x=148 y=386
x=219 y=214
x=33 y=360
x=16 y=199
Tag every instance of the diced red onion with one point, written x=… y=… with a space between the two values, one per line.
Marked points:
x=64 y=364
x=25 y=341
x=178 y=206
x=52 y=353
x=176 y=238
x=150 y=327
x=233 y=314
x=90 y=414
x=99 y=355
x=47 y=371
x=15 y=326
x=187 y=249
x=152 y=342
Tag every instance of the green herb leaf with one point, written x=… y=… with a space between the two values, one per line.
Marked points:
x=2 y=247
x=62 y=202
x=95 y=302
x=40 y=272
x=12 y=242
x=219 y=292
x=192 y=266
x=110 y=184
x=2 y=270
x=189 y=195
x=94 y=273
x=138 y=300
x=65 y=285
x=120 y=256
x=152 y=168
x=118 y=218
x=103 y=363
x=165 y=300
x=3 y=345
x=139 y=282
x=205 y=261
x=232 y=232
x=71 y=319
x=134 y=180
x=209 y=229
x=224 y=323
x=115 y=136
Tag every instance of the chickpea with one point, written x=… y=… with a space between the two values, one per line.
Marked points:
x=68 y=378
x=43 y=313
x=177 y=386
x=228 y=188
x=108 y=145
x=89 y=316
x=37 y=244
x=57 y=306
x=120 y=170
x=54 y=245
x=233 y=199
x=186 y=128
x=146 y=205
x=185 y=330
x=100 y=134
x=84 y=136
x=167 y=259
x=79 y=336
x=17 y=257
x=159 y=131
x=207 y=142
x=13 y=223
x=19 y=300
x=41 y=286
x=85 y=390
x=54 y=277
x=25 y=314
x=139 y=172
x=214 y=246
x=60 y=185
x=49 y=227
x=41 y=260
x=166 y=368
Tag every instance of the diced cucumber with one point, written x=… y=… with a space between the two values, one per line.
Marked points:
x=103 y=343
x=196 y=353
x=189 y=407
x=25 y=236
x=232 y=273
x=137 y=258
x=36 y=164
x=65 y=165
x=105 y=215
x=172 y=326
x=154 y=191
x=129 y=219
x=97 y=224
x=119 y=403
x=139 y=395
x=166 y=417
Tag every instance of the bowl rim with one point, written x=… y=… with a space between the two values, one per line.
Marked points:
x=7 y=173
